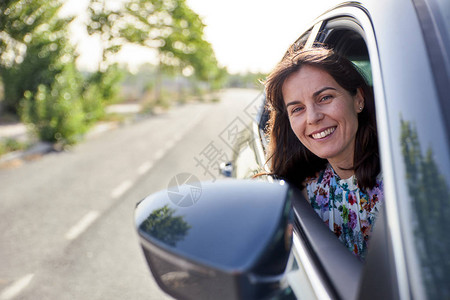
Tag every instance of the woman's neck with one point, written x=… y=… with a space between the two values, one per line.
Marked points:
x=342 y=172
x=343 y=165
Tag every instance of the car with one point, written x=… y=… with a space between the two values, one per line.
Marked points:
x=256 y=239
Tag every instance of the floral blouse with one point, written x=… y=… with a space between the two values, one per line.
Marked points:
x=348 y=211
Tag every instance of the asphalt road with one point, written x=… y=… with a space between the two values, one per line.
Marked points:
x=67 y=228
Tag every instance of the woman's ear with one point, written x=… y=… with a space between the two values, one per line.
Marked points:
x=359 y=100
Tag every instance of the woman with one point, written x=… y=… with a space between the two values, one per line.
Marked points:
x=323 y=139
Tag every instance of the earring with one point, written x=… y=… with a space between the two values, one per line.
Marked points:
x=360 y=108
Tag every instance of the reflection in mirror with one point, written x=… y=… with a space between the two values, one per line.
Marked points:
x=162 y=225
x=431 y=195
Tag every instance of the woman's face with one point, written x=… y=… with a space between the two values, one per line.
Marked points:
x=323 y=115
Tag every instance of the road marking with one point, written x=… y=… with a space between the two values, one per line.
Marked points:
x=82 y=225
x=177 y=137
x=145 y=167
x=159 y=154
x=121 y=189
x=170 y=144
x=16 y=287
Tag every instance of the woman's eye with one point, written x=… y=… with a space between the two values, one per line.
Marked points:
x=325 y=98
x=296 y=109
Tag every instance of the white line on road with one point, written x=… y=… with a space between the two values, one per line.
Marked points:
x=177 y=137
x=16 y=287
x=82 y=225
x=145 y=167
x=121 y=189
x=170 y=144
x=159 y=154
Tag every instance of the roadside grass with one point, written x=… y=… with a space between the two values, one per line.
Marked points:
x=113 y=117
x=10 y=145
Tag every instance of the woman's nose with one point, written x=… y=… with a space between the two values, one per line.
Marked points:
x=314 y=115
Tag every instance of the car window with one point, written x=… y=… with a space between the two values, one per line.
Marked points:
x=356 y=41
x=345 y=37
x=365 y=69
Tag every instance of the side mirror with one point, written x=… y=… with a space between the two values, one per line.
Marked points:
x=232 y=243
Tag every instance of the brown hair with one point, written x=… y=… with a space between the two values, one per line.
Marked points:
x=287 y=157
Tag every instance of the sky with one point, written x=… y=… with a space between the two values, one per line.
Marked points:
x=246 y=35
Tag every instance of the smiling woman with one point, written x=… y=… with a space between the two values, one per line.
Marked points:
x=323 y=138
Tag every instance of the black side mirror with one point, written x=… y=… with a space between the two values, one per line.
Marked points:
x=232 y=243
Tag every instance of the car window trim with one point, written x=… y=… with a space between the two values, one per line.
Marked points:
x=307 y=267
x=313 y=36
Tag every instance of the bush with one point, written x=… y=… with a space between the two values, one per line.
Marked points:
x=56 y=113
x=100 y=89
x=92 y=103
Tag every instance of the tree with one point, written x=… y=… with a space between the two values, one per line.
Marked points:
x=33 y=47
x=56 y=111
x=38 y=70
x=162 y=225
x=168 y=26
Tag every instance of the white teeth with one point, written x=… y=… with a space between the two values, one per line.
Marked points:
x=324 y=133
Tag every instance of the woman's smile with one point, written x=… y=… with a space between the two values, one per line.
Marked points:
x=323 y=134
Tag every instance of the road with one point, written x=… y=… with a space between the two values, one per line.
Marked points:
x=67 y=228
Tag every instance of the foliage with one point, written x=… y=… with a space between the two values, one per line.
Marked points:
x=168 y=26
x=33 y=47
x=164 y=226
x=100 y=89
x=37 y=68
x=104 y=23
x=56 y=112
x=10 y=144
x=37 y=62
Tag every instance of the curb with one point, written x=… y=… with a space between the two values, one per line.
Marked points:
x=36 y=150
x=39 y=149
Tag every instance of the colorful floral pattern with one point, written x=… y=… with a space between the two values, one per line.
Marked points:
x=349 y=212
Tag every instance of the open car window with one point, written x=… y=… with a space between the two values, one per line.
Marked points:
x=344 y=274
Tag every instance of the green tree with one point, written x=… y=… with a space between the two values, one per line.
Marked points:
x=103 y=86
x=56 y=111
x=168 y=26
x=37 y=67
x=33 y=47
x=164 y=226
x=100 y=89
